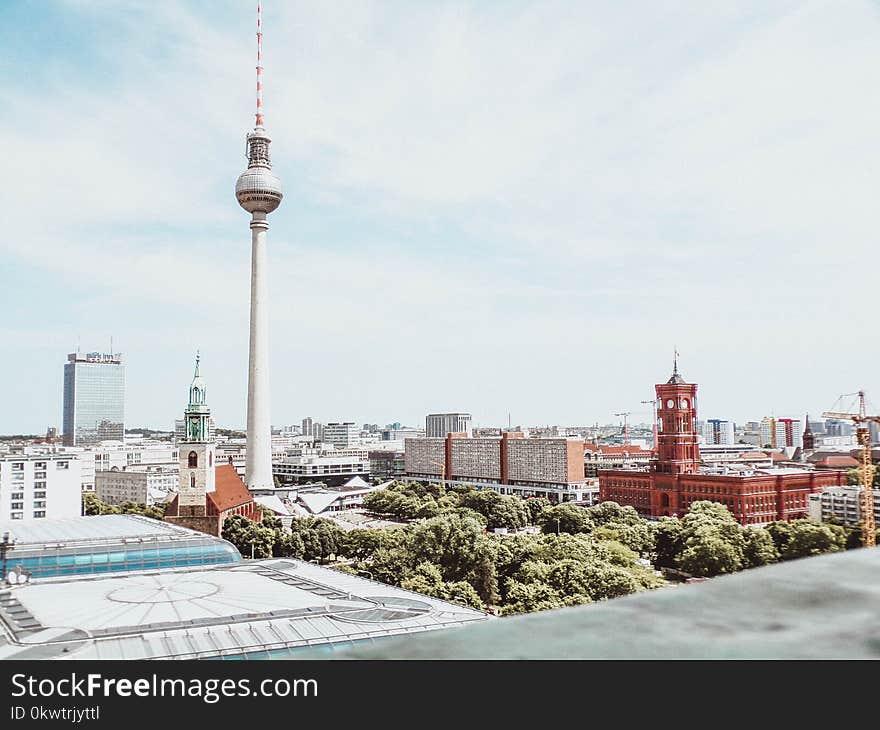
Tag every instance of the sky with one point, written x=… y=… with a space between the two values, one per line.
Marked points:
x=494 y=207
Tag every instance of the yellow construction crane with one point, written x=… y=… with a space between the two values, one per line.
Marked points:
x=866 y=470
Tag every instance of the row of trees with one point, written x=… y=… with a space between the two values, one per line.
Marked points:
x=91 y=505
x=452 y=556
x=413 y=500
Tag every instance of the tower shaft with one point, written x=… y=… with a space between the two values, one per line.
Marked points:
x=258 y=471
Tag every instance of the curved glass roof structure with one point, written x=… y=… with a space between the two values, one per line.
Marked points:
x=109 y=544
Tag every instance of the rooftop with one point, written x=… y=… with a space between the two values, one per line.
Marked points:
x=256 y=609
x=84 y=530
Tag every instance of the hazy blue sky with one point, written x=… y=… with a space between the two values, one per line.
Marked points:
x=494 y=207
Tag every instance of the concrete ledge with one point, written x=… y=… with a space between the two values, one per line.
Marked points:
x=823 y=607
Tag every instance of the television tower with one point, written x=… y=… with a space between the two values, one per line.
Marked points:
x=258 y=191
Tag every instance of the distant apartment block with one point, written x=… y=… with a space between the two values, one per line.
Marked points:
x=717 y=431
x=841 y=504
x=780 y=433
x=341 y=435
x=94 y=399
x=439 y=425
x=35 y=487
x=118 y=457
x=333 y=468
x=552 y=468
x=147 y=485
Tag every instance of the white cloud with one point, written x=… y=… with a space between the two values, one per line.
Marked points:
x=477 y=195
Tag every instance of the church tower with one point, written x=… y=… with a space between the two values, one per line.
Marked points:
x=197 y=451
x=809 y=437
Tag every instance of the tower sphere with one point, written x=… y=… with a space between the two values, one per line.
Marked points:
x=257 y=189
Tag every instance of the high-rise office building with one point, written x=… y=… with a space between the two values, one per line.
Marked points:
x=439 y=425
x=94 y=398
x=341 y=435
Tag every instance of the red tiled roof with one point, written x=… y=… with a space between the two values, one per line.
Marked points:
x=229 y=490
x=838 y=461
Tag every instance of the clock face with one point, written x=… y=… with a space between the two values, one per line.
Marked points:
x=670 y=403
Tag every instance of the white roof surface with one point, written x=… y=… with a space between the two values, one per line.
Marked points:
x=273 y=503
x=247 y=608
x=85 y=529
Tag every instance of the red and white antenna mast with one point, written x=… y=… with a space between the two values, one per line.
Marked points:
x=259 y=65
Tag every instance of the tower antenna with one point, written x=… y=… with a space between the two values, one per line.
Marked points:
x=259 y=65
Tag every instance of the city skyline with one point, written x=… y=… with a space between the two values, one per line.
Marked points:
x=459 y=227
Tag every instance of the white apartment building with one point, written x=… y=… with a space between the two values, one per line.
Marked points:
x=718 y=431
x=333 y=467
x=143 y=485
x=35 y=487
x=118 y=456
x=840 y=503
x=438 y=425
x=782 y=432
x=341 y=435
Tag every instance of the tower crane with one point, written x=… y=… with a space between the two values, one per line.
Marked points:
x=626 y=416
x=866 y=470
x=653 y=404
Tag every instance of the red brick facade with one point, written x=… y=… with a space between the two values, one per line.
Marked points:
x=674 y=479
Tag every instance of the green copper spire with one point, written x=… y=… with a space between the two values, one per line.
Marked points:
x=197 y=415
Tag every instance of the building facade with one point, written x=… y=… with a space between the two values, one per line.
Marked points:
x=439 y=425
x=341 y=435
x=718 y=431
x=139 y=485
x=842 y=505
x=301 y=465
x=511 y=464
x=676 y=479
x=780 y=433
x=94 y=399
x=37 y=487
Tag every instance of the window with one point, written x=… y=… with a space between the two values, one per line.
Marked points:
x=193 y=460
x=40 y=465
x=17 y=495
x=41 y=503
x=17 y=505
x=17 y=516
x=211 y=458
x=62 y=464
x=192 y=481
x=39 y=485
x=18 y=466
x=39 y=513
x=39 y=495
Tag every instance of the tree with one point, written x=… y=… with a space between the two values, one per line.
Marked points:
x=249 y=537
x=450 y=541
x=802 y=538
x=611 y=512
x=536 y=505
x=565 y=518
x=758 y=548
x=667 y=534
x=706 y=553
x=711 y=541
